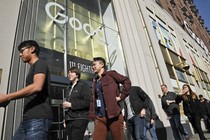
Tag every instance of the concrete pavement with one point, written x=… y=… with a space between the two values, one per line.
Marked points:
x=196 y=137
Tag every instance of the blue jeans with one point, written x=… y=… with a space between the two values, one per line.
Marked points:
x=177 y=127
x=151 y=129
x=33 y=129
x=136 y=127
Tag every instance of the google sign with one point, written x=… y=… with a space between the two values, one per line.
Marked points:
x=88 y=29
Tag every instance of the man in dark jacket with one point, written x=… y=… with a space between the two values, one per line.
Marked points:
x=171 y=108
x=77 y=106
x=105 y=108
x=140 y=114
x=205 y=111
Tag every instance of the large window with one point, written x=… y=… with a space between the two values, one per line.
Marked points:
x=154 y=25
x=72 y=32
x=181 y=76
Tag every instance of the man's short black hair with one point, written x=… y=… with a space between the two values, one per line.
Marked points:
x=29 y=44
x=200 y=95
x=100 y=59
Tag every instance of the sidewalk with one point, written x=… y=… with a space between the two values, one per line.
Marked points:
x=196 y=137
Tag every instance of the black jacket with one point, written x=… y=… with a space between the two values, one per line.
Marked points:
x=205 y=107
x=80 y=101
x=173 y=108
x=190 y=106
x=140 y=100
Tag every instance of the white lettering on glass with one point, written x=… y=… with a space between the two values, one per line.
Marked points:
x=72 y=21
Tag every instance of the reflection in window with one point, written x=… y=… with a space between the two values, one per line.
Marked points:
x=79 y=29
x=171 y=72
x=197 y=74
x=208 y=86
x=154 y=25
x=203 y=85
x=181 y=75
x=175 y=85
x=174 y=57
x=48 y=33
x=167 y=38
x=190 y=79
x=204 y=76
x=176 y=45
x=165 y=54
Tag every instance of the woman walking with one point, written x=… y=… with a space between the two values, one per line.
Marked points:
x=191 y=107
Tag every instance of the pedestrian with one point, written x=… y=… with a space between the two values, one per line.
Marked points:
x=105 y=106
x=140 y=114
x=37 y=114
x=192 y=108
x=76 y=106
x=171 y=108
x=205 y=111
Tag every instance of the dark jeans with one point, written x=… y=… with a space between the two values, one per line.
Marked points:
x=196 y=121
x=33 y=129
x=206 y=122
x=151 y=129
x=114 y=125
x=136 y=126
x=177 y=127
x=75 y=129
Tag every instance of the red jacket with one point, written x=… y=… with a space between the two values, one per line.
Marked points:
x=111 y=89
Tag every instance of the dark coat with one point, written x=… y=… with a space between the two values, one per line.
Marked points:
x=140 y=100
x=80 y=101
x=205 y=107
x=111 y=89
x=172 y=108
x=190 y=106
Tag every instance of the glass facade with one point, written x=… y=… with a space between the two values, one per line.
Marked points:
x=72 y=32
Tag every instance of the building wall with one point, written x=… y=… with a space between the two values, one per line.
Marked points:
x=182 y=10
x=145 y=61
x=180 y=35
x=9 y=11
x=141 y=67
